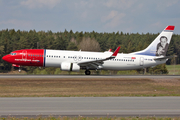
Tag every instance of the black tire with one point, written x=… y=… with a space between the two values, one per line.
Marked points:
x=87 y=72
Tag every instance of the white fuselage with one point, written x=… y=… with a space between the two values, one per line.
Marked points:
x=54 y=58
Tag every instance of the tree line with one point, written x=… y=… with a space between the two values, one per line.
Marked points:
x=11 y=40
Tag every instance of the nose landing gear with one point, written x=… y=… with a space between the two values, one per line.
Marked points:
x=19 y=69
x=87 y=72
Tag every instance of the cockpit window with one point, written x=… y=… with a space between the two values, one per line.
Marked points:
x=13 y=53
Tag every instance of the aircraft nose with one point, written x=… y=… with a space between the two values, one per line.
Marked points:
x=8 y=58
x=5 y=58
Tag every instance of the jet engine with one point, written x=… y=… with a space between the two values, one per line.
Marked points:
x=66 y=66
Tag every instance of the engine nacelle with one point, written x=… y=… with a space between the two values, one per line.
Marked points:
x=66 y=66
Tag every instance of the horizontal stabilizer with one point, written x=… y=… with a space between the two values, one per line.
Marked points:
x=166 y=57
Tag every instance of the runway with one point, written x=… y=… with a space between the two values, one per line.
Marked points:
x=93 y=76
x=90 y=106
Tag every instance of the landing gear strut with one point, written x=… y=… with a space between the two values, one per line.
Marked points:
x=19 y=69
x=87 y=72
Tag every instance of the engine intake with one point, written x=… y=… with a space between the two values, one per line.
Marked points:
x=66 y=66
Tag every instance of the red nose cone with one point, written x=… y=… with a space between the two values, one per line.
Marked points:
x=4 y=58
x=7 y=58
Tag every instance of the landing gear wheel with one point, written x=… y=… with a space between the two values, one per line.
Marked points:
x=87 y=72
x=19 y=69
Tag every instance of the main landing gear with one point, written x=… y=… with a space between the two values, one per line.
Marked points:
x=87 y=72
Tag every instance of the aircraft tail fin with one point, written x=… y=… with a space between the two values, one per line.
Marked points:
x=160 y=45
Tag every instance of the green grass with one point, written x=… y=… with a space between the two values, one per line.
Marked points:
x=84 y=87
x=173 y=69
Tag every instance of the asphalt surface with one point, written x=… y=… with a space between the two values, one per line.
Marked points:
x=92 y=76
x=90 y=106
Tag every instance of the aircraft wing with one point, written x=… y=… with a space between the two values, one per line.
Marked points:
x=164 y=57
x=97 y=64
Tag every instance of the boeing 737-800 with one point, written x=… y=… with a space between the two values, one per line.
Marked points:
x=153 y=55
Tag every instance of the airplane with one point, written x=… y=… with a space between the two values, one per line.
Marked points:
x=153 y=55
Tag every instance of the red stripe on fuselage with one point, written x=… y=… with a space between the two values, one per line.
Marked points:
x=27 y=57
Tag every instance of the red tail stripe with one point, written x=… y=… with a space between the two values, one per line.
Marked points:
x=170 y=28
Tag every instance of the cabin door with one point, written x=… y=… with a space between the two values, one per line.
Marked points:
x=24 y=55
x=141 y=61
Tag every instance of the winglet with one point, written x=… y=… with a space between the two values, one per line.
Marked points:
x=109 y=50
x=116 y=52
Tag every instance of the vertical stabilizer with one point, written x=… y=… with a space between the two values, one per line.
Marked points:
x=160 y=45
